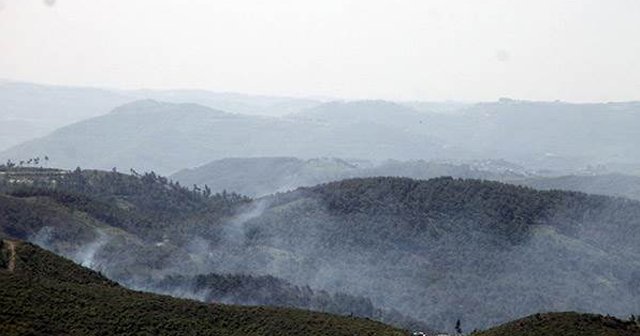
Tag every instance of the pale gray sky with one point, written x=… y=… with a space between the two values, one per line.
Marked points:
x=584 y=50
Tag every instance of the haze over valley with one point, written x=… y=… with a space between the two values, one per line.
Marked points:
x=370 y=168
x=409 y=232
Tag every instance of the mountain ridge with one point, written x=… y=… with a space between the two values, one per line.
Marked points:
x=433 y=250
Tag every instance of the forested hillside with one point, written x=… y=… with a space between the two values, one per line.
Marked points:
x=330 y=168
x=566 y=324
x=434 y=251
x=47 y=295
x=437 y=250
x=92 y=216
x=271 y=291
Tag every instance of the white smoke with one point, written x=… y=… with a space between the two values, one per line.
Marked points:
x=86 y=254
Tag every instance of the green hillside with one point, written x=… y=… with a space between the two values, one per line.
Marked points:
x=47 y=295
x=92 y=216
x=271 y=291
x=565 y=324
x=435 y=251
x=448 y=249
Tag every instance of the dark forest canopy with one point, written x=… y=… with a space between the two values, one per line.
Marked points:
x=47 y=295
x=434 y=250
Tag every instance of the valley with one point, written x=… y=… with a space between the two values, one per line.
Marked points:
x=431 y=244
x=319 y=168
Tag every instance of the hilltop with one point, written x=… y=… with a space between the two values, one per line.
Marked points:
x=29 y=111
x=434 y=251
x=47 y=295
x=73 y=127
x=565 y=324
x=92 y=216
x=166 y=137
x=437 y=250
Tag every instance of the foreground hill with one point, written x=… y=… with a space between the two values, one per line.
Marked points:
x=565 y=324
x=43 y=294
x=271 y=291
x=92 y=216
x=435 y=251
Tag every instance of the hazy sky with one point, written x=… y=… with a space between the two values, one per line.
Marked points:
x=583 y=50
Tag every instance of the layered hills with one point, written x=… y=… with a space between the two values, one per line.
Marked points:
x=92 y=216
x=435 y=251
x=167 y=137
x=149 y=135
x=29 y=111
x=262 y=176
x=267 y=175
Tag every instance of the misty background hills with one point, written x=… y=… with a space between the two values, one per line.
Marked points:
x=415 y=214
x=268 y=175
x=29 y=111
x=262 y=176
x=431 y=251
x=164 y=137
x=183 y=129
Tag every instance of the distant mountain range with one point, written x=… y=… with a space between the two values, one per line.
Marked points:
x=552 y=135
x=607 y=184
x=29 y=111
x=434 y=251
x=201 y=127
x=267 y=175
x=164 y=137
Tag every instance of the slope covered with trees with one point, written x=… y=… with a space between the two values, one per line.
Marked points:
x=93 y=216
x=438 y=250
x=435 y=251
x=271 y=291
x=565 y=324
x=48 y=295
